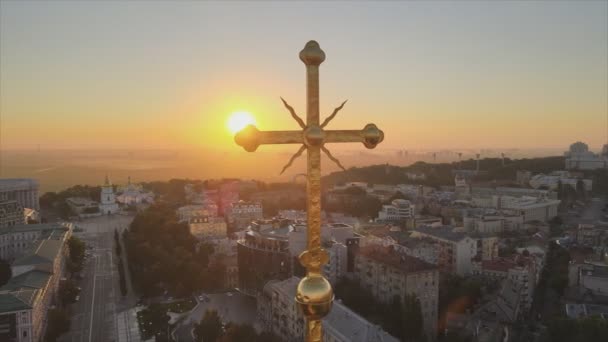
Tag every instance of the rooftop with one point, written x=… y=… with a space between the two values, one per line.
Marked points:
x=45 y=252
x=191 y=207
x=340 y=321
x=16 y=300
x=81 y=201
x=415 y=242
x=350 y=326
x=271 y=228
x=7 y=184
x=245 y=203
x=443 y=232
x=34 y=279
x=388 y=256
x=46 y=228
x=597 y=271
x=576 y=311
x=499 y=265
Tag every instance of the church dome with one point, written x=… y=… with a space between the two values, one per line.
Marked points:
x=579 y=147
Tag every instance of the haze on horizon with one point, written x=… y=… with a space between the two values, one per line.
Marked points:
x=167 y=75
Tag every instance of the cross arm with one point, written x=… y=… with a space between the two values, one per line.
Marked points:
x=370 y=136
x=250 y=138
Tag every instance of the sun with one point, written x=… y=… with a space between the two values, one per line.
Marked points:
x=239 y=120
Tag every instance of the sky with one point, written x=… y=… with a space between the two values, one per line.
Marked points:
x=147 y=75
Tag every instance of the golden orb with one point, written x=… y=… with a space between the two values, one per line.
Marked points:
x=312 y=54
x=372 y=136
x=314 y=295
x=248 y=138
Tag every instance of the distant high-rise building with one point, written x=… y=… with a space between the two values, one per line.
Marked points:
x=456 y=249
x=22 y=190
x=263 y=255
x=398 y=210
x=387 y=274
x=580 y=158
x=240 y=214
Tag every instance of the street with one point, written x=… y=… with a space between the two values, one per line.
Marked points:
x=235 y=308
x=102 y=314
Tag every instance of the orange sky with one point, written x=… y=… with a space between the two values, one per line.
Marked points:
x=431 y=75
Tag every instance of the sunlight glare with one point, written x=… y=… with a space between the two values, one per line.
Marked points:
x=239 y=120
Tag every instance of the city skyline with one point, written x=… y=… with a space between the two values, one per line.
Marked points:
x=156 y=75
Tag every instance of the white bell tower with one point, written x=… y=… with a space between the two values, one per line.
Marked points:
x=107 y=203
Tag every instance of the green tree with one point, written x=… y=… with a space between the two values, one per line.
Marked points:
x=397 y=195
x=239 y=333
x=163 y=255
x=356 y=297
x=58 y=324
x=156 y=321
x=581 y=192
x=452 y=336
x=393 y=324
x=209 y=328
x=63 y=210
x=5 y=272
x=67 y=292
x=581 y=330
x=412 y=319
x=118 y=250
x=266 y=336
x=454 y=288
x=77 y=248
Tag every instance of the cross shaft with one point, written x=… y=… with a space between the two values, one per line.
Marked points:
x=314 y=293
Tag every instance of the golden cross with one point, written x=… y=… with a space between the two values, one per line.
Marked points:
x=314 y=293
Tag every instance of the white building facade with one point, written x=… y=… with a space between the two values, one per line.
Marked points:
x=11 y=213
x=580 y=158
x=133 y=194
x=455 y=249
x=552 y=181
x=208 y=228
x=23 y=190
x=398 y=210
x=107 y=201
x=387 y=273
x=241 y=213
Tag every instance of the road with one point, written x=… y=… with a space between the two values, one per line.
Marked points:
x=102 y=314
x=237 y=308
